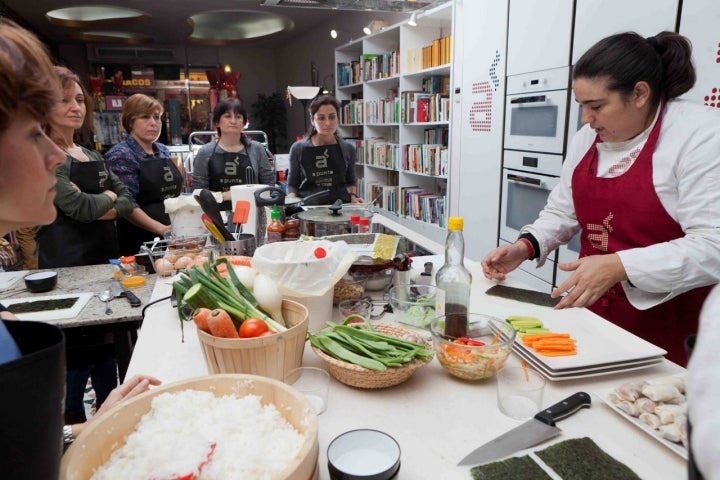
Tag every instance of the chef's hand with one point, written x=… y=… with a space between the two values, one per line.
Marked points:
x=592 y=277
x=7 y=315
x=503 y=260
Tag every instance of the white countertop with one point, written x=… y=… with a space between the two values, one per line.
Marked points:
x=435 y=418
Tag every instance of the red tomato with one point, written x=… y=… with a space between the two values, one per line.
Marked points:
x=469 y=342
x=267 y=334
x=252 y=327
x=320 y=252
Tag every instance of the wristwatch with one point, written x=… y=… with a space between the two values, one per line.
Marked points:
x=68 y=437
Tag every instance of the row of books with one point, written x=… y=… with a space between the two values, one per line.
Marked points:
x=421 y=107
x=440 y=135
x=439 y=52
x=437 y=84
x=380 y=65
x=380 y=153
x=383 y=110
x=423 y=205
x=385 y=196
x=352 y=112
x=349 y=73
x=426 y=159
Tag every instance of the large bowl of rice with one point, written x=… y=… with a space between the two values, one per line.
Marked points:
x=234 y=425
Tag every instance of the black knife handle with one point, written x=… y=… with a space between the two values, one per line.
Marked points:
x=132 y=298
x=564 y=408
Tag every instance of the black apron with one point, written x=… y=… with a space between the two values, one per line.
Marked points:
x=159 y=179
x=324 y=168
x=70 y=243
x=226 y=169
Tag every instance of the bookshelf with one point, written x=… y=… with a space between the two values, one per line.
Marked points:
x=395 y=90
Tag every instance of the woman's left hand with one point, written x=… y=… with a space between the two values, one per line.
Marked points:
x=356 y=199
x=592 y=277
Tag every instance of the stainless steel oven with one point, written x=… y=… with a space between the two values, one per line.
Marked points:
x=528 y=179
x=536 y=110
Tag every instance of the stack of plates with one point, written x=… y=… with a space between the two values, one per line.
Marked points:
x=602 y=348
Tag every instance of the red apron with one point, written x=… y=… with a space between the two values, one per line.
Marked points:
x=619 y=213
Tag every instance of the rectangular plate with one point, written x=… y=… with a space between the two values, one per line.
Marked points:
x=590 y=372
x=82 y=299
x=675 y=447
x=8 y=279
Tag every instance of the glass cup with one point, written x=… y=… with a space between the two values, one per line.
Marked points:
x=519 y=392
x=312 y=382
x=360 y=307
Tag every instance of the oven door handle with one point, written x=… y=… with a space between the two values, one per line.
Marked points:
x=533 y=182
x=530 y=99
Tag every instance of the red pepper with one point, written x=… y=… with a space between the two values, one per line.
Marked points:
x=469 y=341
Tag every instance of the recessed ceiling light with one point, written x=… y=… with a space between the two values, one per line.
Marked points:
x=108 y=36
x=233 y=25
x=94 y=15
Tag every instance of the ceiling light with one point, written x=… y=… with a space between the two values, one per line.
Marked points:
x=413 y=20
x=94 y=15
x=374 y=26
x=333 y=33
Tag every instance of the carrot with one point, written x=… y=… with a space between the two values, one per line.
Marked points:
x=548 y=353
x=496 y=338
x=200 y=317
x=523 y=364
x=221 y=324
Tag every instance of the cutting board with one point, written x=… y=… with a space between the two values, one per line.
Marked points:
x=82 y=299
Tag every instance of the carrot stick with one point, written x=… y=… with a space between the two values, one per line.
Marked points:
x=523 y=364
x=496 y=338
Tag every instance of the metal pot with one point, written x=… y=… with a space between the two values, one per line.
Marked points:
x=332 y=220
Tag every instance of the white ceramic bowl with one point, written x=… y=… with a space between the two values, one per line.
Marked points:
x=363 y=455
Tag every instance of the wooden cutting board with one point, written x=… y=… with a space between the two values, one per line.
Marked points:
x=42 y=316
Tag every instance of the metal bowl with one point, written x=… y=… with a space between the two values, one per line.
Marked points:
x=363 y=455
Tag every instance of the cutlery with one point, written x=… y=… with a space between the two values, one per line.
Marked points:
x=209 y=205
x=117 y=290
x=534 y=431
x=106 y=296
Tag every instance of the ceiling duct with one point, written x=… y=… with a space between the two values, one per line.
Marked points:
x=160 y=55
x=365 y=5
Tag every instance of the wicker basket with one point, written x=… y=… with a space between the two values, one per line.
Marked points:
x=271 y=356
x=361 y=377
x=108 y=433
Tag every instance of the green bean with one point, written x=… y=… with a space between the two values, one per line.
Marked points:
x=342 y=353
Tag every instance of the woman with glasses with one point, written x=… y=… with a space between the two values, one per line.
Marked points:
x=232 y=159
x=323 y=160
x=145 y=167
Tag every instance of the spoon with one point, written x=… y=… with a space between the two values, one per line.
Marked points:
x=106 y=296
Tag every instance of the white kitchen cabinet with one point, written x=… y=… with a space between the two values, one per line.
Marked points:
x=699 y=22
x=539 y=35
x=595 y=20
x=477 y=157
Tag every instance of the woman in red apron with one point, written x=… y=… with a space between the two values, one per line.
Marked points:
x=638 y=185
x=144 y=166
x=323 y=160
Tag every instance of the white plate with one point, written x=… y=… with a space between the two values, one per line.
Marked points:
x=675 y=447
x=599 y=343
x=82 y=299
x=8 y=279
x=587 y=372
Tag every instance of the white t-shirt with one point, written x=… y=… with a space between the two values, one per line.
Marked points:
x=686 y=175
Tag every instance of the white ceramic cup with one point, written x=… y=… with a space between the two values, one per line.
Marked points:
x=312 y=382
x=519 y=392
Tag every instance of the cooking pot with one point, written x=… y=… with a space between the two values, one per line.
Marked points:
x=329 y=220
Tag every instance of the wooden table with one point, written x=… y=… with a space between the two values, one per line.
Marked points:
x=122 y=324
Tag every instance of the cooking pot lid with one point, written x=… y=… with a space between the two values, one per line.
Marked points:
x=326 y=215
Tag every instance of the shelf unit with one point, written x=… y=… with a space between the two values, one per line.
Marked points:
x=396 y=107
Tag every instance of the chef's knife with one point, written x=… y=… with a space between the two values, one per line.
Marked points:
x=534 y=431
x=117 y=291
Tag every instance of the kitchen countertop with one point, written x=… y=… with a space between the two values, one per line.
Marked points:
x=89 y=278
x=435 y=418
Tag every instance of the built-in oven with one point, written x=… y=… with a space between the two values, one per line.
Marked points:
x=536 y=110
x=528 y=178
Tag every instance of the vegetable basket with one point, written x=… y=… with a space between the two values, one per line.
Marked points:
x=270 y=356
x=361 y=377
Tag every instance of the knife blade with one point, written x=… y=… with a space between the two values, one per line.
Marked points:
x=536 y=430
x=118 y=291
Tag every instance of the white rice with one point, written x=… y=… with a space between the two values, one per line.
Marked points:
x=252 y=441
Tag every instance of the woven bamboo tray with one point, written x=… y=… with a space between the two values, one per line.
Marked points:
x=361 y=377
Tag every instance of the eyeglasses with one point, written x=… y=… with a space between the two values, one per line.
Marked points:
x=321 y=118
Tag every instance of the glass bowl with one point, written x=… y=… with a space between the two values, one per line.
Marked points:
x=474 y=362
x=413 y=304
x=361 y=307
x=377 y=280
x=348 y=288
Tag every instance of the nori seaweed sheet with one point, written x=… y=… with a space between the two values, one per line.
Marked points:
x=515 y=467
x=33 y=306
x=582 y=459
x=523 y=295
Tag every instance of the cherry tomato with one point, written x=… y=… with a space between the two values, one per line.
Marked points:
x=267 y=334
x=469 y=341
x=320 y=252
x=252 y=327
